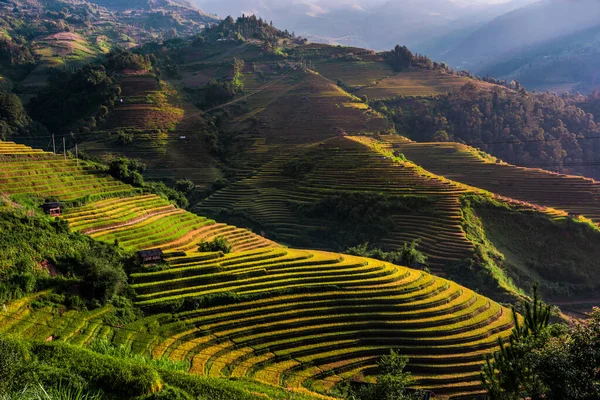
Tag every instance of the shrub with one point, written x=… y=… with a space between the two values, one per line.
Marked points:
x=107 y=373
x=219 y=183
x=393 y=382
x=13 y=364
x=298 y=168
x=217 y=244
x=407 y=255
x=185 y=186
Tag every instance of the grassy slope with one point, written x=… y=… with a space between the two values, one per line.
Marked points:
x=168 y=132
x=280 y=204
x=557 y=194
x=36 y=362
x=560 y=255
x=261 y=285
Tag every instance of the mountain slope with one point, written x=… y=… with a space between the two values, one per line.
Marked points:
x=351 y=23
x=566 y=64
x=535 y=44
x=298 y=318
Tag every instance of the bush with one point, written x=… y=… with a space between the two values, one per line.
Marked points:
x=185 y=186
x=407 y=255
x=13 y=364
x=107 y=373
x=393 y=382
x=219 y=183
x=46 y=245
x=217 y=244
x=219 y=92
x=298 y=168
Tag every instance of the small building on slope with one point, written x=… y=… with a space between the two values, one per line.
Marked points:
x=52 y=208
x=150 y=257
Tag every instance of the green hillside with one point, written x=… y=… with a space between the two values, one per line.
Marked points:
x=263 y=306
x=303 y=236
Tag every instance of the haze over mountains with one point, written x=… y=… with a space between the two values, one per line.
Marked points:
x=553 y=44
x=353 y=22
x=548 y=44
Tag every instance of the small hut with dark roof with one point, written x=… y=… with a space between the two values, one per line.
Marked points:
x=150 y=257
x=52 y=208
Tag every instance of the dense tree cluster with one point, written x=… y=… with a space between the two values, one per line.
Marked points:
x=121 y=60
x=406 y=255
x=13 y=117
x=401 y=58
x=245 y=27
x=72 y=96
x=130 y=171
x=517 y=126
x=15 y=54
x=546 y=361
x=47 y=248
x=217 y=92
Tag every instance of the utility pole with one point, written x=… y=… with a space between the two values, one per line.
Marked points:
x=53 y=145
x=64 y=148
x=76 y=154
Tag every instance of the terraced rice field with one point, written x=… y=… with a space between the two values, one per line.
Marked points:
x=148 y=221
x=136 y=221
x=415 y=83
x=302 y=318
x=337 y=316
x=143 y=106
x=315 y=320
x=462 y=163
x=344 y=165
x=31 y=171
x=80 y=328
x=167 y=132
x=304 y=108
x=355 y=73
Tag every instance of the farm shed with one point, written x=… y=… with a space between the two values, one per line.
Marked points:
x=148 y=257
x=52 y=208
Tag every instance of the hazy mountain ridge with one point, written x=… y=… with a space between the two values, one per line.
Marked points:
x=551 y=44
x=377 y=24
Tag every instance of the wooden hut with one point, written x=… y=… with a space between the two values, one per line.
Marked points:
x=52 y=208
x=150 y=257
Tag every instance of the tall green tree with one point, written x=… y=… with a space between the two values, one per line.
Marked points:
x=392 y=383
x=544 y=361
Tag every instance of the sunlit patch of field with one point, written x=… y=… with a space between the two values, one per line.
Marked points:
x=354 y=73
x=416 y=83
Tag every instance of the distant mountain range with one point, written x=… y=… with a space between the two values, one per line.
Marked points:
x=552 y=44
x=376 y=24
x=547 y=45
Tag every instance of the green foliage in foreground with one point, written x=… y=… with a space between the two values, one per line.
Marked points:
x=55 y=393
x=122 y=351
x=544 y=361
x=407 y=255
x=28 y=370
x=39 y=252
